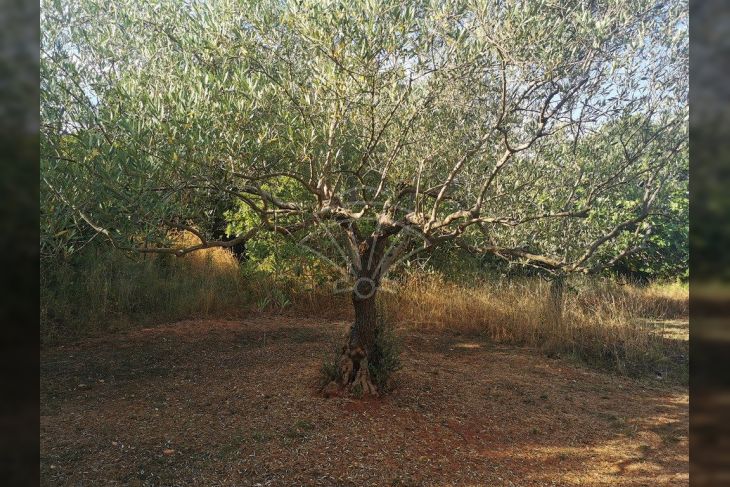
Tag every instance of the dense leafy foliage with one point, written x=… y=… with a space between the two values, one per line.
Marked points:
x=548 y=133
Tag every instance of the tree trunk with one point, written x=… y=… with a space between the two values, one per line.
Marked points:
x=353 y=363
x=557 y=300
x=363 y=329
x=354 y=374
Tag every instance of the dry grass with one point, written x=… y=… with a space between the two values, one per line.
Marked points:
x=101 y=291
x=104 y=291
x=603 y=323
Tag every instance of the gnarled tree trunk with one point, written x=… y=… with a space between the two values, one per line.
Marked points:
x=354 y=372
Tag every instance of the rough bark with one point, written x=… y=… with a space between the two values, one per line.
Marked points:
x=354 y=373
x=353 y=364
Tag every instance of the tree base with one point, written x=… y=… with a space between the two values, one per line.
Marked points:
x=353 y=374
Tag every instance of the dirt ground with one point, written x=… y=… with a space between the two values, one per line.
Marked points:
x=235 y=403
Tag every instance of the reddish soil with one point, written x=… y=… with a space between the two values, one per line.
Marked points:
x=236 y=403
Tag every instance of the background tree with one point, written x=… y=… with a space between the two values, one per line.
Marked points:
x=541 y=132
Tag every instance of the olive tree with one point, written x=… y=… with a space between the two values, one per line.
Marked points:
x=538 y=131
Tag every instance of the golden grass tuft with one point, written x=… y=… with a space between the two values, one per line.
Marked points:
x=219 y=259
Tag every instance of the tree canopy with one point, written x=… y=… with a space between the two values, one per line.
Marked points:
x=553 y=133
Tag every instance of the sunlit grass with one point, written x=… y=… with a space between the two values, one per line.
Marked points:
x=622 y=327
x=603 y=323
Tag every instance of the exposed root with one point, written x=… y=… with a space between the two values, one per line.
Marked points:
x=354 y=374
x=362 y=384
x=347 y=366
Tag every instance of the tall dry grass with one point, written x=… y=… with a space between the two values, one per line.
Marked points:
x=602 y=322
x=102 y=290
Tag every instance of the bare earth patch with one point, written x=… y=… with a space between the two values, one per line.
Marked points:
x=236 y=403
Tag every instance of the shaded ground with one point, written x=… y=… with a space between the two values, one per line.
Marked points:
x=710 y=347
x=235 y=403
